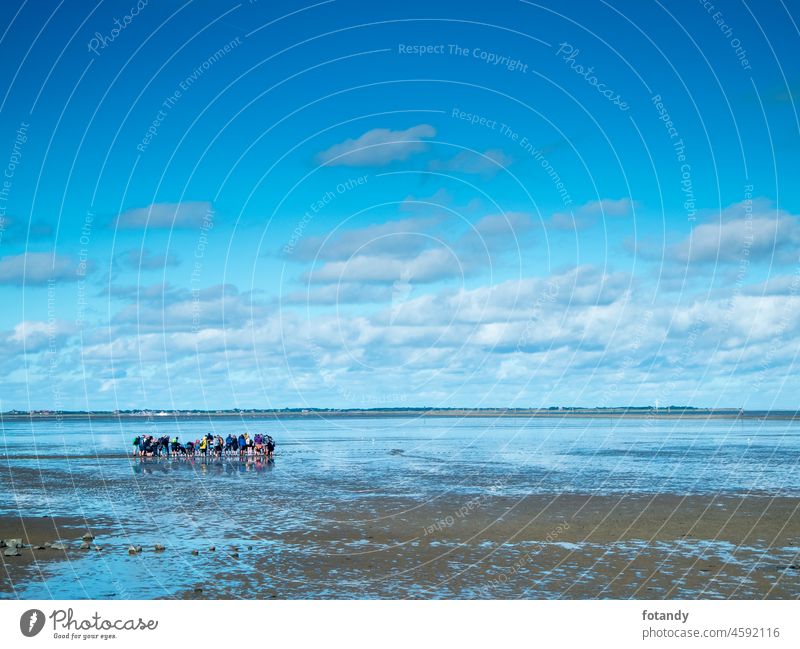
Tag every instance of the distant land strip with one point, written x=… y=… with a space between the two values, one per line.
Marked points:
x=644 y=412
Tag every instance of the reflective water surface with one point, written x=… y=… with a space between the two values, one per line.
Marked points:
x=326 y=470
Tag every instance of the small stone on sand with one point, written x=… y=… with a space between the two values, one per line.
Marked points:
x=11 y=552
x=159 y=547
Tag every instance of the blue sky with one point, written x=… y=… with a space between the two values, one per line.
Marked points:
x=345 y=204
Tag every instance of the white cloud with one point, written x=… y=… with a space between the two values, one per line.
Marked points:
x=441 y=198
x=188 y=214
x=487 y=163
x=339 y=293
x=161 y=306
x=403 y=238
x=141 y=259
x=741 y=232
x=37 y=268
x=504 y=224
x=377 y=147
x=428 y=266
x=589 y=213
x=35 y=336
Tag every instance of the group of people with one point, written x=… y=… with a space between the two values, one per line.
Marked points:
x=208 y=445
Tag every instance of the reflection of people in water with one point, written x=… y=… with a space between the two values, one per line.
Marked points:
x=257 y=448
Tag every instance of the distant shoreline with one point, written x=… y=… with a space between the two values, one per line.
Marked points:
x=383 y=413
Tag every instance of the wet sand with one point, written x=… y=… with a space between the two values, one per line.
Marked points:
x=569 y=546
x=564 y=547
x=35 y=532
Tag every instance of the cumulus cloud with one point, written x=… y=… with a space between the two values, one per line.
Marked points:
x=340 y=293
x=142 y=259
x=378 y=147
x=504 y=224
x=13 y=230
x=589 y=213
x=428 y=266
x=162 y=306
x=34 y=336
x=742 y=231
x=187 y=214
x=788 y=285
x=441 y=198
x=486 y=164
x=37 y=268
x=400 y=238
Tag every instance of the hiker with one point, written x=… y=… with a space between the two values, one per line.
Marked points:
x=249 y=442
x=258 y=446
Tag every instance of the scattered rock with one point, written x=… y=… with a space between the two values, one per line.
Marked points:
x=39 y=547
x=11 y=552
x=198 y=590
x=159 y=547
x=235 y=555
x=2 y=543
x=212 y=548
x=58 y=546
x=195 y=552
x=249 y=547
x=13 y=543
x=85 y=545
x=134 y=549
x=88 y=537
x=234 y=548
x=96 y=548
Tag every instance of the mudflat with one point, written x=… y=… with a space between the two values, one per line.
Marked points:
x=38 y=535
x=566 y=546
